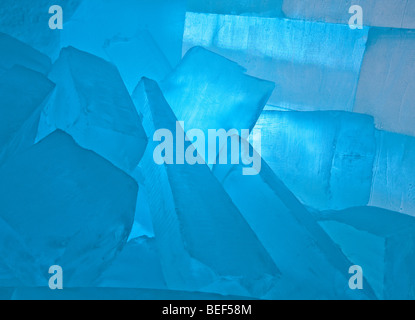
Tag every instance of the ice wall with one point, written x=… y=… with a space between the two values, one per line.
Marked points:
x=324 y=158
x=315 y=66
x=393 y=174
x=378 y=13
x=387 y=84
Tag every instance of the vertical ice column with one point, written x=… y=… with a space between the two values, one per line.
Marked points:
x=92 y=104
x=203 y=240
x=387 y=84
x=315 y=66
x=325 y=158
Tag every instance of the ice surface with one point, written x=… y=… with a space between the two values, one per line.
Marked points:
x=23 y=93
x=269 y=8
x=203 y=241
x=27 y=20
x=308 y=259
x=387 y=84
x=13 y=52
x=95 y=22
x=394 y=175
x=381 y=242
x=207 y=91
x=315 y=65
x=381 y=13
x=325 y=157
x=63 y=205
x=92 y=104
x=138 y=57
x=137 y=266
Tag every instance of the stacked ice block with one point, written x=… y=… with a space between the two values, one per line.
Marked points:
x=83 y=184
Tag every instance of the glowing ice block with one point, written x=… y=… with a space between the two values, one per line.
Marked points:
x=325 y=157
x=268 y=8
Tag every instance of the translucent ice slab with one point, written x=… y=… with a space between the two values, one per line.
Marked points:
x=324 y=158
x=92 y=104
x=63 y=205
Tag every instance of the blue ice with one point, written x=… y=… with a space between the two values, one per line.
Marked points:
x=92 y=104
x=378 y=13
x=203 y=241
x=14 y=52
x=267 y=8
x=95 y=22
x=23 y=94
x=324 y=157
x=309 y=260
x=386 y=87
x=315 y=66
x=393 y=185
x=63 y=205
x=381 y=242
